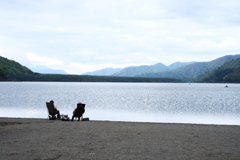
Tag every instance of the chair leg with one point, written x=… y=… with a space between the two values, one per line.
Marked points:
x=58 y=114
x=51 y=117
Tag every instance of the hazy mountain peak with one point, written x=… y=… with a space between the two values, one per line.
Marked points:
x=103 y=72
x=179 y=64
x=137 y=70
x=46 y=70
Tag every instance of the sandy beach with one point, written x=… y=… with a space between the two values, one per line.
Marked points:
x=42 y=139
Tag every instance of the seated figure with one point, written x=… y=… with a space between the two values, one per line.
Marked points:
x=78 y=112
x=52 y=110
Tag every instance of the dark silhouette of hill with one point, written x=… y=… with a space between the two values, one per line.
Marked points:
x=228 y=72
x=10 y=69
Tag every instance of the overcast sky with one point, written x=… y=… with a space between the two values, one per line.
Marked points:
x=86 y=35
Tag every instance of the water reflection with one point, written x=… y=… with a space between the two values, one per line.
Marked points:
x=141 y=102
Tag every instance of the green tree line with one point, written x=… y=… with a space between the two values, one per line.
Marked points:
x=14 y=71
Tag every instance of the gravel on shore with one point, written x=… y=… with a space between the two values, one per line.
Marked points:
x=42 y=139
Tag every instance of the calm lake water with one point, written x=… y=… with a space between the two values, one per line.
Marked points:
x=141 y=102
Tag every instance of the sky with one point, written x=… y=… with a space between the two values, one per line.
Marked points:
x=79 y=36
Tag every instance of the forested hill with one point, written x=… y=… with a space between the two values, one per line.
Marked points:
x=192 y=71
x=228 y=72
x=133 y=71
x=14 y=71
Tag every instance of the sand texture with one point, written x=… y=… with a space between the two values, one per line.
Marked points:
x=38 y=139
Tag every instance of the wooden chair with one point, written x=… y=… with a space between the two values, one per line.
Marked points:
x=78 y=112
x=52 y=111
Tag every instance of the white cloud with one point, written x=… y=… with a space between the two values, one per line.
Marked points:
x=151 y=59
x=146 y=24
x=135 y=38
x=225 y=44
x=2 y=50
x=45 y=61
x=81 y=36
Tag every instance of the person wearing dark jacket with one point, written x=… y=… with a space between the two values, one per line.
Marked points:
x=78 y=112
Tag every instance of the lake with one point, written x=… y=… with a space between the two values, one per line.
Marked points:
x=139 y=102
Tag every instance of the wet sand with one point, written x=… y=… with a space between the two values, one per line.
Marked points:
x=38 y=139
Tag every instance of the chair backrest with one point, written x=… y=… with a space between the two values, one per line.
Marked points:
x=80 y=109
x=50 y=107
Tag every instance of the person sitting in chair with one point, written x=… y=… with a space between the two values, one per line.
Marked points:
x=55 y=111
x=78 y=112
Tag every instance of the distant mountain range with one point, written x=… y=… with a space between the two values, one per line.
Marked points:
x=103 y=72
x=191 y=72
x=186 y=71
x=140 y=71
x=46 y=70
x=223 y=69
x=133 y=71
x=136 y=70
x=177 y=69
x=14 y=71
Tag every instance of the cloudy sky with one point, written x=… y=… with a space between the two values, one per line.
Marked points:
x=86 y=35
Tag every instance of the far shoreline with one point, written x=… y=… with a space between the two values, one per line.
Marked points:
x=118 y=121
